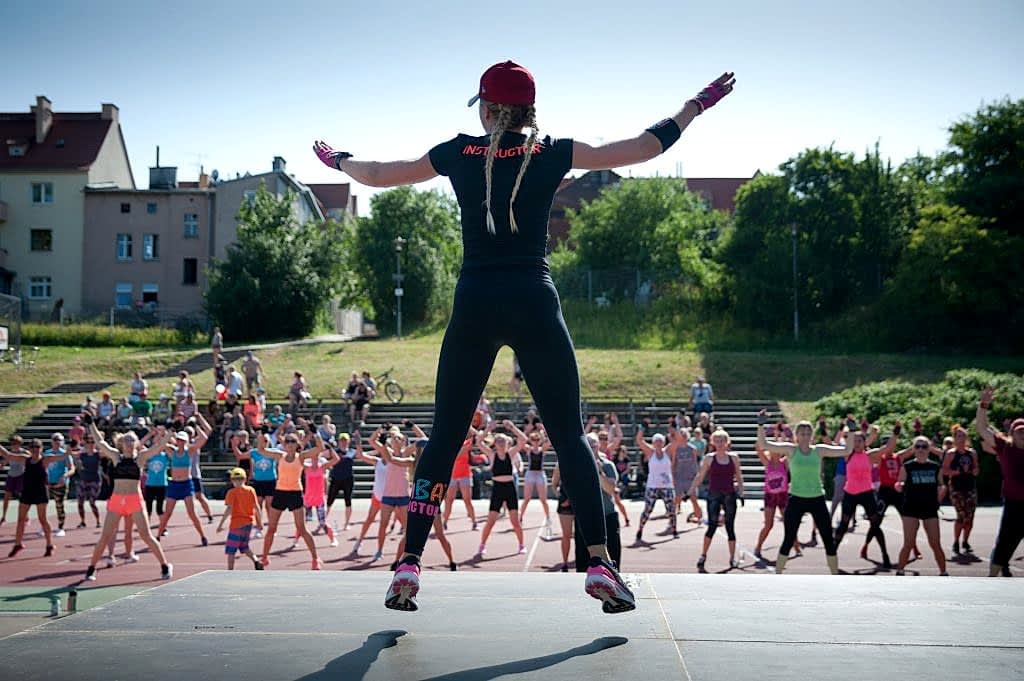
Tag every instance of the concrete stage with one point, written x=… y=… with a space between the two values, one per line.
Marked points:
x=471 y=627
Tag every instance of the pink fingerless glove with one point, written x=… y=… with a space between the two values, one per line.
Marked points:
x=328 y=156
x=713 y=93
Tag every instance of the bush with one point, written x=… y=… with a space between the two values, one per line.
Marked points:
x=938 y=405
x=103 y=336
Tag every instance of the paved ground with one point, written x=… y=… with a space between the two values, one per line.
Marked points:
x=328 y=626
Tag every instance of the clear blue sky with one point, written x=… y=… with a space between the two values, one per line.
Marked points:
x=231 y=84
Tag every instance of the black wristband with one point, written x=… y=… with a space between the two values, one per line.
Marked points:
x=667 y=131
x=341 y=156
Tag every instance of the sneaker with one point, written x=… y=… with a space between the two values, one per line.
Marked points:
x=454 y=567
x=60 y=532
x=900 y=573
x=522 y=549
x=258 y=534
x=565 y=567
x=204 y=541
x=943 y=574
x=209 y=520
x=482 y=551
x=90 y=574
x=15 y=550
x=98 y=524
x=733 y=563
x=639 y=536
x=39 y=532
x=257 y=564
x=886 y=563
x=49 y=551
x=110 y=561
x=967 y=548
x=604 y=583
x=405 y=585
x=167 y=571
x=133 y=557
x=956 y=548
x=376 y=556
x=334 y=542
x=80 y=525
x=474 y=525
x=701 y=561
x=295 y=542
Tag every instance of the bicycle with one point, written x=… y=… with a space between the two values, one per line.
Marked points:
x=391 y=388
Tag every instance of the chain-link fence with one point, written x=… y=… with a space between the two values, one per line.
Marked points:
x=605 y=287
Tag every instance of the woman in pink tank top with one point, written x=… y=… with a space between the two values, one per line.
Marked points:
x=314 y=493
x=776 y=493
x=859 y=489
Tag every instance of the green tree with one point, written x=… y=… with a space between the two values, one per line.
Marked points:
x=278 y=275
x=959 y=284
x=429 y=221
x=654 y=225
x=986 y=164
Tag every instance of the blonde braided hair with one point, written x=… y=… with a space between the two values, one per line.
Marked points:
x=508 y=117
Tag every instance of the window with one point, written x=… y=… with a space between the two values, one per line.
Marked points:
x=126 y=208
x=191 y=274
x=151 y=208
x=151 y=247
x=124 y=246
x=40 y=288
x=191 y=225
x=123 y=295
x=150 y=294
x=42 y=192
x=42 y=240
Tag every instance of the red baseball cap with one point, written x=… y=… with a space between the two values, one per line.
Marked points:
x=506 y=83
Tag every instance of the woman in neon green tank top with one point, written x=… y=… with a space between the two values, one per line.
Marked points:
x=806 y=493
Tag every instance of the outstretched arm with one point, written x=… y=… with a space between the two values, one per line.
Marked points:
x=376 y=173
x=656 y=139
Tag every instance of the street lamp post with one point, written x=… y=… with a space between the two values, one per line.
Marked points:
x=399 y=242
x=796 y=309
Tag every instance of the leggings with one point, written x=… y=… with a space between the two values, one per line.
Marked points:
x=794 y=513
x=1011 y=532
x=57 y=493
x=611 y=523
x=870 y=504
x=651 y=496
x=340 y=486
x=716 y=502
x=485 y=301
x=154 y=494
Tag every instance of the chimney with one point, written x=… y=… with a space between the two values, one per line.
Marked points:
x=204 y=181
x=110 y=112
x=279 y=164
x=44 y=117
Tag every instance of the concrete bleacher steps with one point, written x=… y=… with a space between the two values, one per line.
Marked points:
x=246 y=625
x=738 y=417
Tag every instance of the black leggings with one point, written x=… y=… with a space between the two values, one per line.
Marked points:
x=716 y=502
x=611 y=522
x=796 y=507
x=1011 y=532
x=488 y=305
x=870 y=504
x=154 y=494
x=341 y=486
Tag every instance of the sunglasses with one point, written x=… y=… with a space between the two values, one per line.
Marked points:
x=291 y=442
x=920 y=446
x=603 y=438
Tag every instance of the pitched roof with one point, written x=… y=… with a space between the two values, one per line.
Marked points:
x=719 y=191
x=82 y=135
x=335 y=196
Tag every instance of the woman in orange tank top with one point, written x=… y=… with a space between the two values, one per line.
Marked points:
x=288 y=491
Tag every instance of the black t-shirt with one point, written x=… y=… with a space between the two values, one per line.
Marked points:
x=463 y=159
x=964 y=463
x=921 y=489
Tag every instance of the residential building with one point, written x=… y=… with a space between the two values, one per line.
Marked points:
x=148 y=249
x=231 y=194
x=336 y=200
x=47 y=159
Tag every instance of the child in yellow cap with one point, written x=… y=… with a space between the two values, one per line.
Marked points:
x=241 y=505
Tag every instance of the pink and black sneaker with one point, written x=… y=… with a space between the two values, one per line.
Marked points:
x=404 y=586
x=603 y=583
